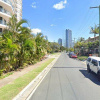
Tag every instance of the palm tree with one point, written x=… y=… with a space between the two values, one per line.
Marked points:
x=19 y=47
x=95 y=31
x=41 y=45
x=27 y=46
x=11 y=46
x=81 y=39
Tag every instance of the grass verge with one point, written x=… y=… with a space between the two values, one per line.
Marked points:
x=6 y=75
x=9 y=91
x=82 y=58
x=58 y=53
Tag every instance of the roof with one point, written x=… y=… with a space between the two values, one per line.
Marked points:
x=96 y=58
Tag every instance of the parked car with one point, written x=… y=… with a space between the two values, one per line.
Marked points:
x=93 y=64
x=70 y=53
x=73 y=56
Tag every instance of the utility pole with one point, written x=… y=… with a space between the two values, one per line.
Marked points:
x=99 y=26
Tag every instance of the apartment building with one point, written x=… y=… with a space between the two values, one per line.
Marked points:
x=7 y=9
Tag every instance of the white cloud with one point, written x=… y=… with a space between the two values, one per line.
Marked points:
x=65 y=1
x=52 y=25
x=36 y=30
x=60 y=5
x=33 y=5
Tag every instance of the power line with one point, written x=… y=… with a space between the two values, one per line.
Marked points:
x=86 y=16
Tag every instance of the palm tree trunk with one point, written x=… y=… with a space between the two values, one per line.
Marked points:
x=94 y=37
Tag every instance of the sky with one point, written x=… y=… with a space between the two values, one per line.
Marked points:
x=53 y=17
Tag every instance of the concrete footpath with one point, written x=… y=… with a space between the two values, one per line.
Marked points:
x=24 y=94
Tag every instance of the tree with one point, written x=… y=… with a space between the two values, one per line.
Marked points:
x=95 y=31
x=18 y=47
x=71 y=49
x=11 y=45
x=54 y=46
x=27 y=46
x=62 y=48
x=81 y=39
x=41 y=45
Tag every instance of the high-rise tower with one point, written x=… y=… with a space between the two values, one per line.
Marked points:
x=7 y=9
x=68 y=39
x=60 y=41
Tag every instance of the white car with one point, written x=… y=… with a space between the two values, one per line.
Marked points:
x=93 y=64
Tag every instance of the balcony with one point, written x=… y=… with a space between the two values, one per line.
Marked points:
x=7 y=5
x=3 y=24
x=6 y=16
x=4 y=11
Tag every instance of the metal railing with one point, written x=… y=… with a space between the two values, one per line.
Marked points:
x=3 y=22
x=5 y=11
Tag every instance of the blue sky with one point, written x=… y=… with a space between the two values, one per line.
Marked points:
x=53 y=17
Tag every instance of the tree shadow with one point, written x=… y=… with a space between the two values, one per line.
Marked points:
x=91 y=76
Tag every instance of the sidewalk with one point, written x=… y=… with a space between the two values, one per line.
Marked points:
x=17 y=74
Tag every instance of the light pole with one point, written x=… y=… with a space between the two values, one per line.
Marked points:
x=99 y=27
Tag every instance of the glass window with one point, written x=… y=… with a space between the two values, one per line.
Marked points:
x=0 y=20
x=1 y=8
x=89 y=59
x=99 y=63
x=0 y=30
x=94 y=62
x=4 y=22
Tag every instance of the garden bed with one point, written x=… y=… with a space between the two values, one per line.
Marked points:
x=82 y=58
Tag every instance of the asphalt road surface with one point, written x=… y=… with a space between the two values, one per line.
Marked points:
x=68 y=80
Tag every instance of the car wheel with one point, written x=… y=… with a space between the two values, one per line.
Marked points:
x=98 y=76
x=88 y=69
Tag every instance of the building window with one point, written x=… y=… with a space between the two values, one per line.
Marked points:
x=1 y=8
x=4 y=22
x=0 y=20
x=0 y=30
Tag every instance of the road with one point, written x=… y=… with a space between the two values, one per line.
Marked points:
x=68 y=80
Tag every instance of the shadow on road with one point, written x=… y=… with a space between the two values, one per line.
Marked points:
x=92 y=76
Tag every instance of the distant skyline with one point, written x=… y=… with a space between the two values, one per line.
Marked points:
x=53 y=17
x=60 y=41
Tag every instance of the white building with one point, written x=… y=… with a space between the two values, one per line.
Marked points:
x=7 y=9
